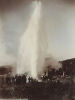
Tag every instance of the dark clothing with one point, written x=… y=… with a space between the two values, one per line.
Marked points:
x=23 y=79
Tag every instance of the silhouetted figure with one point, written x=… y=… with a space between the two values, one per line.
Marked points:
x=23 y=79
x=8 y=80
x=44 y=77
x=50 y=75
x=30 y=79
x=13 y=80
x=60 y=71
x=18 y=79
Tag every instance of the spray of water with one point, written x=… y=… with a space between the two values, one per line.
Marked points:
x=33 y=46
x=29 y=46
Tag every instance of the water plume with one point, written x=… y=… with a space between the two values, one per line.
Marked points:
x=33 y=46
x=29 y=46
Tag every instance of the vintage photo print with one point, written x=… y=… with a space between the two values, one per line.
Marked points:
x=37 y=49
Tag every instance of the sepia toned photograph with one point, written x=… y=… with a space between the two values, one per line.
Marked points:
x=37 y=49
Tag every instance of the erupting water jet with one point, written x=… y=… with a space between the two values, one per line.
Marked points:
x=31 y=51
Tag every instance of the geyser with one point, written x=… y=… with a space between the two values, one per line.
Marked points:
x=30 y=51
x=34 y=45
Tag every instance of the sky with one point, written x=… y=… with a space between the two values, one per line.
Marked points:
x=58 y=18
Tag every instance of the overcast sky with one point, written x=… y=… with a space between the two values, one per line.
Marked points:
x=59 y=24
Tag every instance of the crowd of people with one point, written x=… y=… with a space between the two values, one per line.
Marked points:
x=10 y=79
x=16 y=79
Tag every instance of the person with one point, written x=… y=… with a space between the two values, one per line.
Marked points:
x=8 y=79
x=13 y=80
x=23 y=79
x=30 y=79
x=18 y=80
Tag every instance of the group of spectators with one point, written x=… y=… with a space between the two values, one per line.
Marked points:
x=10 y=79
x=16 y=79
